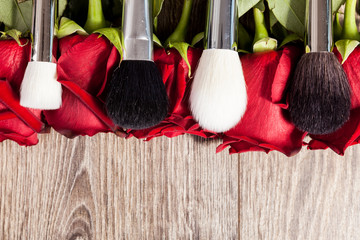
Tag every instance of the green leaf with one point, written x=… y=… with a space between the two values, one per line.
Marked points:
x=260 y=5
x=198 y=37
x=290 y=13
x=336 y=4
x=346 y=47
x=157 y=40
x=265 y=44
x=16 y=15
x=114 y=36
x=273 y=20
x=157 y=6
x=289 y=38
x=182 y=48
x=13 y=33
x=62 y=6
x=68 y=27
x=245 y=5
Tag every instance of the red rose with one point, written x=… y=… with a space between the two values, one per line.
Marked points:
x=175 y=76
x=349 y=134
x=16 y=122
x=84 y=65
x=265 y=125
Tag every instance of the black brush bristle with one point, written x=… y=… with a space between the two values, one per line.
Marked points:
x=137 y=97
x=320 y=96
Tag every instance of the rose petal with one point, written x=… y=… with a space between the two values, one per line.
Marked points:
x=265 y=125
x=16 y=122
x=340 y=140
x=83 y=68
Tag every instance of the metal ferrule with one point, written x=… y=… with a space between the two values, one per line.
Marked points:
x=137 y=30
x=319 y=25
x=221 y=24
x=42 y=30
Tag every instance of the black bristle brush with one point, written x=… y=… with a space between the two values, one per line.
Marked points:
x=137 y=97
x=319 y=97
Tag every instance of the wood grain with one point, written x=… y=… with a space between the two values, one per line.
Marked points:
x=314 y=195
x=105 y=187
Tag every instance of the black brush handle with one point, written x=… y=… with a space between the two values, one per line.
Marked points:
x=221 y=24
x=319 y=25
x=42 y=30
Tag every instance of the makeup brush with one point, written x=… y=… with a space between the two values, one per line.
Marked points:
x=319 y=97
x=218 y=96
x=40 y=88
x=137 y=97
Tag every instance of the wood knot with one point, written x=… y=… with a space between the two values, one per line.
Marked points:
x=79 y=225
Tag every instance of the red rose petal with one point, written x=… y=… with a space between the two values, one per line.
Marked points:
x=16 y=122
x=265 y=125
x=83 y=68
x=342 y=138
x=11 y=100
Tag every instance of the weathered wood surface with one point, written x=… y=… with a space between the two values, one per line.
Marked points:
x=105 y=187
x=314 y=195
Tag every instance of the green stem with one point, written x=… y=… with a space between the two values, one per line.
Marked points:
x=260 y=26
x=95 y=19
x=181 y=29
x=337 y=28
x=350 y=28
x=244 y=39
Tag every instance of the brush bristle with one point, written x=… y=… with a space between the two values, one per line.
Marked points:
x=137 y=96
x=218 y=96
x=320 y=96
x=40 y=88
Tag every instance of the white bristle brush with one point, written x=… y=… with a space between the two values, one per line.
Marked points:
x=218 y=96
x=40 y=88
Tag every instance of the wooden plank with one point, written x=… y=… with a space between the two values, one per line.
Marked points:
x=314 y=195
x=105 y=187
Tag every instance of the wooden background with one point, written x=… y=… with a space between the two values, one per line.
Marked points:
x=105 y=187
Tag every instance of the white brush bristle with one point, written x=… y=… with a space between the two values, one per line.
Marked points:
x=218 y=96
x=40 y=88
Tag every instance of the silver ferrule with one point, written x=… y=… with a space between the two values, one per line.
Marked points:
x=42 y=30
x=221 y=24
x=319 y=25
x=137 y=29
